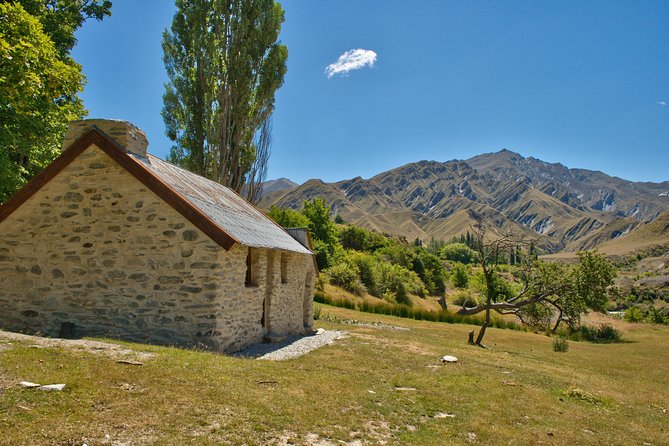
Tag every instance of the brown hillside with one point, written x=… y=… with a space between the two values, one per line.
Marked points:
x=566 y=209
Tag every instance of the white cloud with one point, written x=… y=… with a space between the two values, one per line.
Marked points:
x=662 y=103
x=351 y=60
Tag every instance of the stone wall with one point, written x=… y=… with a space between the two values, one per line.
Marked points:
x=95 y=248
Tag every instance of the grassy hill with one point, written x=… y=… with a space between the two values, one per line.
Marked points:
x=643 y=237
x=383 y=384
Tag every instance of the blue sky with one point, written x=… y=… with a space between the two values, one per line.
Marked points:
x=584 y=83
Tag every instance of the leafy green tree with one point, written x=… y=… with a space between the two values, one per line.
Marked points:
x=288 y=218
x=458 y=252
x=353 y=237
x=397 y=254
x=322 y=229
x=61 y=19
x=368 y=271
x=433 y=273
x=39 y=83
x=346 y=275
x=397 y=282
x=359 y=239
x=459 y=275
x=224 y=63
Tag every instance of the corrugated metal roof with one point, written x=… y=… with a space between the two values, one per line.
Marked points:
x=224 y=207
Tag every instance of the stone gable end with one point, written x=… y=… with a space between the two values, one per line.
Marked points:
x=95 y=248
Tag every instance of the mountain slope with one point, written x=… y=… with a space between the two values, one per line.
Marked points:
x=566 y=208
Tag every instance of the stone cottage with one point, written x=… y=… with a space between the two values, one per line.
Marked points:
x=111 y=241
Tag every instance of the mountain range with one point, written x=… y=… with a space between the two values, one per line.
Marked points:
x=565 y=209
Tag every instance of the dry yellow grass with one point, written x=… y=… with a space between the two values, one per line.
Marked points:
x=518 y=391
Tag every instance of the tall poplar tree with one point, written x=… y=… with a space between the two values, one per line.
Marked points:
x=224 y=64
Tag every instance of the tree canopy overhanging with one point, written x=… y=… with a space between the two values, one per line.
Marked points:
x=39 y=83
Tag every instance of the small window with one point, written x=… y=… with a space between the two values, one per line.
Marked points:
x=251 y=266
x=284 y=267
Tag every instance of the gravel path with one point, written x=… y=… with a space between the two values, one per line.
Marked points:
x=292 y=347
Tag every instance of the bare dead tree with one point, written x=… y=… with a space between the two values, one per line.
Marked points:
x=565 y=291
x=258 y=172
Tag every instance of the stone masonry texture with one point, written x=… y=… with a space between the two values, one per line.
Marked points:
x=95 y=248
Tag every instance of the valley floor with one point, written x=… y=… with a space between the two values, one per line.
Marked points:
x=382 y=384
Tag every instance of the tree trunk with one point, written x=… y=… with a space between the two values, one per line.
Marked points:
x=489 y=286
x=557 y=322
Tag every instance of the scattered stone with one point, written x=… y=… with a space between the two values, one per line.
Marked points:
x=28 y=384
x=508 y=383
x=449 y=358
x=471 y=436
x=320 y=331
x=52 y=387
x=404 y=389
x=126 y=361
x=371 y=391
x=588 y=431
x=443 y=415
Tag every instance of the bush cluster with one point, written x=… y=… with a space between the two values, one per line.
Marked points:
x=605 y=333
x=560 y=345
x=406 y=311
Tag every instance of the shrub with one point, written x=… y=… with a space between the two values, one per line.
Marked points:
x=459 y=276
x=464 y=299
x=656 y=316
x=367 y=271
x=317 y=313
x=346 y=276
x=605 y=333
x=633 y=314
x=560 y=344
x=458 y=252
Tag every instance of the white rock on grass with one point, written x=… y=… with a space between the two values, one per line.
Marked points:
x=49 y=387
x=449 y=358
x=52 y=387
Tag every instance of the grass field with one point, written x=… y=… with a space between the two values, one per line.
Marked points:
x=377 y=386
